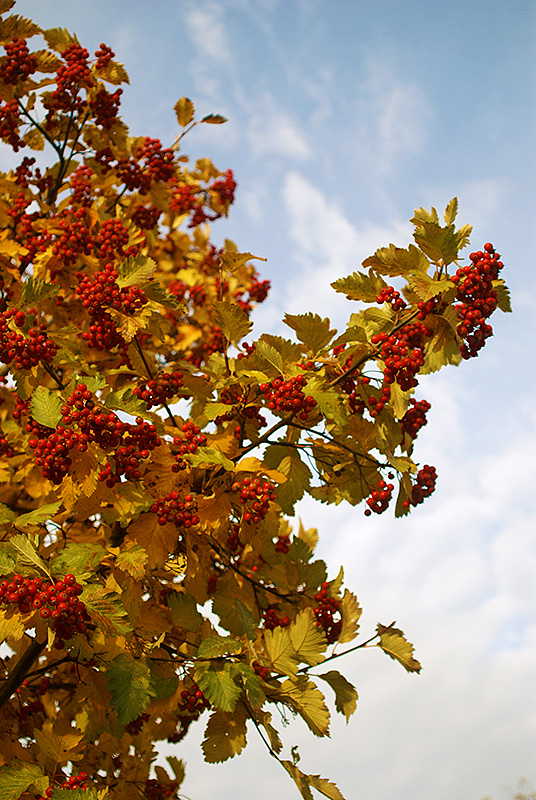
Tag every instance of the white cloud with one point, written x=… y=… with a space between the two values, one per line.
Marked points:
x=276 y=133
x=206 y=28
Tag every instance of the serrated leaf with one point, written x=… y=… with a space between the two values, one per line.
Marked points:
x=393 y=642
x=129 y=682
x=58 y=741
x=184 y=109
x=17 y=27
x=184 y=611
x=308 y=639
x=296 y=471
x=393 y=261
x=345 y=694
x=209 y=455
x=7 y=515
x=45 y=407
x=38 y=515
x=268 y=352
x=225 y=735
x=214 y=119
x=59 y=39
x=311 y=329
x=503 y=296
x=136 y=271
x=214 y=646
x=14 y=781
x=78 y=557
x=178 y=767
x=232 y=261
x=26 y=554
x=218 y=686
x=114 y=73
x=246 y=617
x=351 y=613
x=133 y=561
x=250 y=682
x=213 y=410
x=360 y=286
x=232 y=320
x=308 y=701
x=34 y=290
x=106 y=610
x=451 y=211
x=280 y=651
x=6 y=5
x=328 y=401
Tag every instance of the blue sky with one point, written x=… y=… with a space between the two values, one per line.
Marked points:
x=344 y=117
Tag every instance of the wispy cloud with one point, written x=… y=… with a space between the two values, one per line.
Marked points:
x=205 y=25
x=276 y=133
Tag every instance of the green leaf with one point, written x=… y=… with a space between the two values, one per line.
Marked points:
x=393 y=642
x=395 y=261
x=345 y=694
x=250 y=682
x=210 y=455
x=270 y=354
x=246 y=617
x=218 y=686
x=14 y=781
x=7 y=515
x=308 y=640
x=26 y=554
x=136 y=271
x=214 y=646
x=351 y=613
x=213 y=410
x=184 y=611
x=133 y=561
x=297 y=472
x=129 y=682
x=34 y=290
x=328 y=401
x=106 y=610
x=311 y=329
x=45 y=407
x=39 y=515
x=184 y=109
x=234 y=322
x=78 y=558
x=225 y=735
x=360 y=286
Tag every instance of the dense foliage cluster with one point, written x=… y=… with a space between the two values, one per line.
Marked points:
x=151 y=457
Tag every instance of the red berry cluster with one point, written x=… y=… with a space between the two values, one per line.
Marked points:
x=111 y=241
x=55 y=600
x=379 y=498
x=18 y=64
x=212 y=342
x=193 y=701
x=225 y=189
x=159 y=162
x=80 y=183
x=157 y=391
x=272 y=620
x=248 y=349
x=423 y=487
x=326 y=612
x=180 y=511
x=196 y=294
x=283 y=396
x=6 y=451
x=23 y=173
x=257 y=293
x=188 y=441
x=432 y=306
x=233 y=540
x=146 y=217
x=70 y=77
x=282 y=543
x=34 y=707
x=262 y=672
x=75 y=239
x=255 y=496
x=73 y=782
x=389 y=295
x=103 y=56
x=24 y=352
x=183 y=199
x=105 y=106
x=478 y=299
x=154 y=790
x=10 y=122
x=403 y=355
x=415 y=417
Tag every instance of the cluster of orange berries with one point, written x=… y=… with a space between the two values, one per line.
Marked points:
x=24 y=352
x=379 y=498
x=477 y=298
x=18 y=63
x=328 y=613
x=272 y=620
x=176 y=509
x=73 y=782
x=423 y=487
x=255 y=496
x=193 y=438
x=283 y=396
x=75 y=238
x=415 y=417
x=403 y=356
x=55 y=600
x=389 y=295
x=70 y=77
x=156 y=391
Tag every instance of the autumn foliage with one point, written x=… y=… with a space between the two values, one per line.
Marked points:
x=151 y=456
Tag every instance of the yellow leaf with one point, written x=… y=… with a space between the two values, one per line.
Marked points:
x=158 y=540
x=351 y=612
x=308 y=640
x=393 y=642
x=225 y=735
x=184 y=109
x=11 y=627
x=58 y=741
x=308 y=701
x=280 y=651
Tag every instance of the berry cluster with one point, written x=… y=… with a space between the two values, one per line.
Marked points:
x=415 y=417
x=389 y=295
x=255 y=496
x=225 y=189
x=477 y=298
x=159 y=163
x=282 y=543
x=154 y=790
x=233 y=540
x=193 y=701
x=262 y=672
x=179 y=511
x=80 y=186
x=105 y=106
x=211 y=342
x=146 y=217
x=188 y=441
x=69 y=78
x=403 y=356
x=272 y=620
x=55 y=600
x=24 y=352
x=288 y=396
x=18 y=64
x=157 y=391
x=111 y=241
x=75 y=238
x=326 y=611
x=103 y=56
x=257 y=293
x=73 y=782
x=379 y=498
x=10 y=122
x=102 y=291
x=423 y=487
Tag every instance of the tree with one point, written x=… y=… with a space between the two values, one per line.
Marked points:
x=151 y=457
